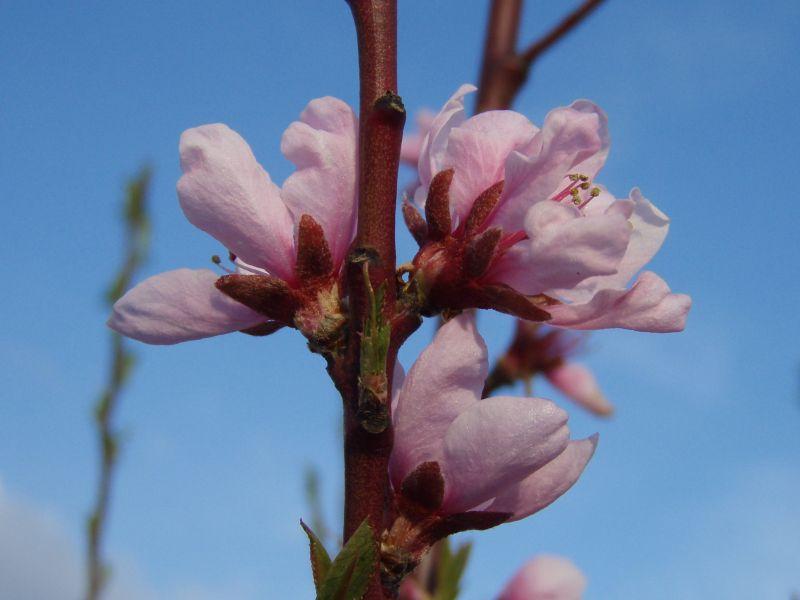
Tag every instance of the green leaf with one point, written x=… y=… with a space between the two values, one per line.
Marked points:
x=349 y=575
x=451 y=569
x=320 y=561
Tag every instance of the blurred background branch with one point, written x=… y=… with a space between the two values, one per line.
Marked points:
x=136 y=243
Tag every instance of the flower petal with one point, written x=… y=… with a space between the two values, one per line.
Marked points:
x=647 y=306
x=569 y=137
x=546 y=578
x=578 y=383
x=178 y=306
x=226 y=193
x=564 y=248
x=411 y=149
x=446 y=379
x=477 y=151
x=496 y=443
x=545 y=485
x=435 y=143
x=323 y=146
x=649 y=228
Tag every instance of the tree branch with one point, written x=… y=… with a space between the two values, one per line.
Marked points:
x=500 y=71
x=504 y=70
x=572 y=20
x=381 y=120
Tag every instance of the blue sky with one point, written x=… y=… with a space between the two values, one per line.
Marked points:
x=693 y=491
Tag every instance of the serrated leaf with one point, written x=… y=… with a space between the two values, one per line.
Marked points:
x=451 y=569
x=350 y=572
x=320 y=561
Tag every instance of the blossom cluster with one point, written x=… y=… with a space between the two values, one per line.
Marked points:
x=508 y=216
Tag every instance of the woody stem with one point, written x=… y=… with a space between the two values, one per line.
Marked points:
x=381 y=120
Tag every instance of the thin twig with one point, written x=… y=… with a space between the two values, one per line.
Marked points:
x=569 y=23
x=504 y=70
x=136 y=244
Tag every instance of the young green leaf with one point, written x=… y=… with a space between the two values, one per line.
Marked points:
x=350 y=572
x=451 y=568
x=320 y=561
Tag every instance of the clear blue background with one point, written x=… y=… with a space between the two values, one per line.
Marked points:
x=694 y=490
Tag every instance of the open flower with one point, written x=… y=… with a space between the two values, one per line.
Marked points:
x=460 y=462
x=546 y=577
x=537 y=349
x=287 y=244
x=514 y=221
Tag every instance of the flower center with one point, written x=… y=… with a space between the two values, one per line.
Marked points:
x=579 y=190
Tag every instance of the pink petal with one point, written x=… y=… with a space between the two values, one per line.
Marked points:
x=546 y=578
x=578 y=383
x=323 y=146
x=647 y=306
x=412 y=142
x=178 y=306
x=570 y=137
x=591 y=165
x=649 y=227
x=435 y=143
x=564 y=248
x=446 y=379
x=496 y=443
x=545 y=485
x=226 y=193
x=477 y=150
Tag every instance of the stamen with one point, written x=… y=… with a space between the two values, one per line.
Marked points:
x=218 y=261
x=593 y=194
x=578 y=180
x=247 y=268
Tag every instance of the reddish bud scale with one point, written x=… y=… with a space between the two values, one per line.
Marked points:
x=483 y=207
x=313 y=254
x=267 y=295
x=415 y=223
x=437 y=206
x=480 y=252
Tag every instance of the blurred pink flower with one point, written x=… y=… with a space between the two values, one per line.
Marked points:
x=511 y=210
x=287 y=244
x=460 y=462
x=546 y=578
x=538 y=349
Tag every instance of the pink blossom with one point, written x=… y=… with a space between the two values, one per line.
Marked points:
x=538 y=349
x=512 y=210
x=460 y=462
x=546 y=578
x=287 y=244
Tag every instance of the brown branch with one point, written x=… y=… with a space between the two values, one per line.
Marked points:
x=503 y=69
x=572 y=20
x=381 y=120
x=136 y=243
x=500 y=71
